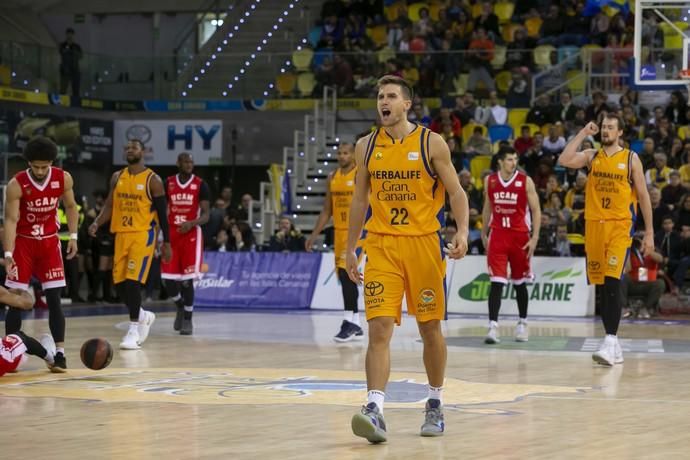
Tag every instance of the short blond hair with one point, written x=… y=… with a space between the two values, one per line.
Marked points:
x=404 y=85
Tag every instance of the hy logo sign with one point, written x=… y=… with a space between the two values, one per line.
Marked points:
x=550 y=286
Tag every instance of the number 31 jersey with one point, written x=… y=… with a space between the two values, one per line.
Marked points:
x=184 y=199
x=406 y=198
x=39 y=203
x=509 y=205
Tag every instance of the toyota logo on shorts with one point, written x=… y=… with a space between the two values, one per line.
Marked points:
x=373 y=288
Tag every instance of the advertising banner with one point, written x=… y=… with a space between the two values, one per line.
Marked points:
x=559 y=288
x=328 y=293
x=258 y=280
x=165 y=139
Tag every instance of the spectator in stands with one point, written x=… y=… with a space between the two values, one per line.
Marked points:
x=668 y=243
x=683 y=213
x=287 y=238
x=519 y=91
x=632 y=125
x=465 y=107
x=448 y=67
x=684 y=130
x=449 y=232
x=552 y=27
x=533 y=155
x=600 y=30
x=494 y=114
x=647 y=153
x=215 y=223
x=577 y=29
x=674 y=191
x=242 y=237
x=597 y=106
x=576 y=195
x=70 y=55
x=554 y=143
x=540 y=113
x=544 y=171
x=244 y=206
x=519 y=51
x=659 y=209
x=574 y=126
x=546 y=237
x=677 y=109
x=658 y=175
x=684 y=170
x=641 y=280
x=395 y=35
x=524 y=142
x=477 y=144
x=662 y=133
x=480 y=54
x=474 y=236
x=474 y=196
x=684 y=263
x=418 y=114
x=445 y=115
x=342 y=75
x=555 y=210
x=488 y=21
x=565 y=109
x=226 y=196
x=220 y=242
x=562 y=244
x=457 y=157
x=410 y=72
x=675 y=158
x=331 y=33
x=552 y=186
x=423 y=27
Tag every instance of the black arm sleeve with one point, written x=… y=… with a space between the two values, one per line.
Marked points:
x=161 y=207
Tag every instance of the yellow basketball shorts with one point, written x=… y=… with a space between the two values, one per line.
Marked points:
x=133 y=255
x=413 y=266
x=340 y=248
x=607 y=244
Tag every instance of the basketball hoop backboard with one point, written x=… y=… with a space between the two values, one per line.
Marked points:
x=662 y=42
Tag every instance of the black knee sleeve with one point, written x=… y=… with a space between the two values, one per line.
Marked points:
x=56 y=318
x=350 y=292
x=495 y=300
x=172 y=287
x=33 y=346
x=188 y=293
x=13 y=321
x=130 y=293
x=612 y=305
x=522 y=298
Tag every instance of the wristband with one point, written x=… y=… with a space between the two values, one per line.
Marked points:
x=8 y=253
x=73 y=236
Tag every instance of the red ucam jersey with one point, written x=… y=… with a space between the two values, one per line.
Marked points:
x=184 y=199
x=509 y=204
x=39 y=203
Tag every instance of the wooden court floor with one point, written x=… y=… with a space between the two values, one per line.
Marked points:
x=274 y=386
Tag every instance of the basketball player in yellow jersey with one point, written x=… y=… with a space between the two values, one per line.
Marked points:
x=403 y=172
x=135 y=205
x=615 y=184
x=341 y=186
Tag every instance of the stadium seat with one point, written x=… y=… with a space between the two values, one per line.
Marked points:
x=508 y=31
x=592 y=51
x=391 y=11
x=478 y=165
x=285 y=84
x=542 y=56
x=460 y=84
x=378 y=35
x=306 y=83
x=385 y=54
x=320 y=56
x=434 y=8
x=314 y=36
x=517 y=117
x=533 y=26
x=502 y=80
x=575 y=81
x=499 y=59
x=413 y=11
x=504 y=11
x=545 y=129
x=500 y=133
x=468 y=129
x=636 y=145
x=565 y=52
x=476 y=10
x=684 y=132
x=301 y=59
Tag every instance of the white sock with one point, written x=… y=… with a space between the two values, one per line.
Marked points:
x=376 y=397
x=142 y=314
x=355 y=318
x=60 y=350
x=50 y=359
x=176 y=298
x=522 y=320
x=134 y=325
x=435 y=392
x=493 y=324
x=347 y=315
x=189 y=308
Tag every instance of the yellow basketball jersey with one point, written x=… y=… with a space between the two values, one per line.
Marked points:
x=609 y=194
x=132 y=204
x=406 y=197
x=342 y=187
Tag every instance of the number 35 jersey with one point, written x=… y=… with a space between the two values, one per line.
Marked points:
x=132 y=203
x=39 y=203
x=509 y=204
x=184 y=199
x=609 y=194
x=407 y=198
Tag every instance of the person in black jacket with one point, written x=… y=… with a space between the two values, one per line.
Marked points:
x=287 y=238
